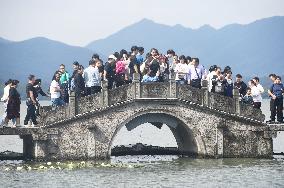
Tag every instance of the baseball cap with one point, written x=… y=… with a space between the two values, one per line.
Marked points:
x=112 y=57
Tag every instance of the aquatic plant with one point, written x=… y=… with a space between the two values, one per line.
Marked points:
x=71 y=165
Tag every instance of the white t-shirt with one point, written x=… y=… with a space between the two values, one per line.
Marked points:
x=209 y=79
x=181 y=70
x=6 y=93
x=260 y=88
x=256 y=94
x=53 y=86
x=92 y=76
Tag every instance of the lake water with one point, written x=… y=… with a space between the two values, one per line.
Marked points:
x=144 y=171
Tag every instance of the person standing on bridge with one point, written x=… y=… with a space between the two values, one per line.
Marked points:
x=152 y=62
x=121 y=72
x=79 y=83
x=170 y=58
x=218 y=82
x=196 y=74
x=37 y=86
x=140 y=60
x=258 y=85
x=181 y=70
x=276 y=93
x=164 y=69
x=228 y=85
x=212 y=72
x=240 y=85
x=31 y=101
x=96 y=58
x=55 y=91
x=13 y=106
x=256 y=94
x=64 y=83
x=71 y=80
x=109 y=72
x=4 y=99
x=92 y=78
x=273 y=79
x=134 y=65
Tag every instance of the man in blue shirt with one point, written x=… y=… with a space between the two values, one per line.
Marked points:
x=276 y=92
x=139 y=56
x=139 y=60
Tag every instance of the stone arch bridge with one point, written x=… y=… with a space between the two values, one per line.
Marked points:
x=204 y=124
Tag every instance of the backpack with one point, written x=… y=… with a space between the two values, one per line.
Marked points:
x=120 y=67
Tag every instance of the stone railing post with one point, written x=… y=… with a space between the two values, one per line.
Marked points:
x=236 y=97
x=137 y=86
x=173 y=86
x=205 y=93
x=104 y=93
x=72 y=106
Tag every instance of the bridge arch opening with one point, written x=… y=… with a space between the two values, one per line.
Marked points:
x=178 y=137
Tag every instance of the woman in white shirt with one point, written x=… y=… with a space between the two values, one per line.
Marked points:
x=181 y=70
x=4 y=99
x=55 y=91
x=256 y=94
x=212 y=72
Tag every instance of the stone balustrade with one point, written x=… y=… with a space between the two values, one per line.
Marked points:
x=138 y=90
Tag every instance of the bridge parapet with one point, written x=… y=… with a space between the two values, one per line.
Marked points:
x=221 y=102
x=155 y=90
x=189 y=93
x=137 y=90
x=87 y=103
x=250 y=112
x=123 y=93
x=49 y=115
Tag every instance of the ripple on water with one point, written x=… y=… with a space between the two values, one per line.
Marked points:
x=156 y=171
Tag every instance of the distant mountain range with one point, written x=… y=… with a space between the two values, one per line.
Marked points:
x=39 y=56
x=253 y=49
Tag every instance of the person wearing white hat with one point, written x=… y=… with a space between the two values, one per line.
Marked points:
x=109 y=72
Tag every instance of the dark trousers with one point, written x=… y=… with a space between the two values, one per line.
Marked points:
x=78 y=94
x=93 y=90
x=271 y=104
x=65 y=95
x=110 y=83
x=31 y=110
x=120 y=80
x=257 y=105
x=277 y=109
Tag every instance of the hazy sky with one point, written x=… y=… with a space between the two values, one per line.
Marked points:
x=79 y=22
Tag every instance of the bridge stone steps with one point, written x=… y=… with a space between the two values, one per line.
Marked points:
x=18 y=130
x=276 y=127
x=22 y=131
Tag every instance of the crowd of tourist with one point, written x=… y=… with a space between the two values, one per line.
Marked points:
x=119 y=70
